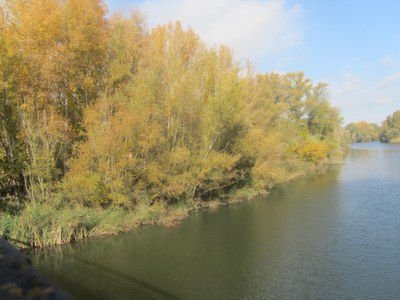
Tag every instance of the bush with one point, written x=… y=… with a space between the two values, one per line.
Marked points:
x=314 y=152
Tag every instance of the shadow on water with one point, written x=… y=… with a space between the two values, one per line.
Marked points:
x=141 y=285
x=330 y=235
x=80 y=277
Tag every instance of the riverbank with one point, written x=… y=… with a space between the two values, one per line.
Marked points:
x=41 y=225
x=395 y=140
x=329 y=235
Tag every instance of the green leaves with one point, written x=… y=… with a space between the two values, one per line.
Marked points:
x=104 y=112
x=363 y=132
x=390 y=131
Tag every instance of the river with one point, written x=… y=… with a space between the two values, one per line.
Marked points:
x=332 y=235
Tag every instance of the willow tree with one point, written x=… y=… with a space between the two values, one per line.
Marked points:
x=60 y=49
x=169 y=129
x=126 y=43
x=123 y=115
x=11 y=153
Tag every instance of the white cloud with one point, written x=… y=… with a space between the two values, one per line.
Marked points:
x=389 y=61
x=389 y=80
x=360 y=98
x=254 y=29
x=348 y=85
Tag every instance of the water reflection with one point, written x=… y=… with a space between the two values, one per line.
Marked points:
x=90 y=278
x=332 y=235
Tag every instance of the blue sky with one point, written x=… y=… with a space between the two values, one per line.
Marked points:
x=353 y=45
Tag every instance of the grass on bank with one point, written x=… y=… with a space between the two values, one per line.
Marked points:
x=40 y=225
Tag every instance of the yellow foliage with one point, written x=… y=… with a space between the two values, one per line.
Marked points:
x=314 y=152
x=129 y=116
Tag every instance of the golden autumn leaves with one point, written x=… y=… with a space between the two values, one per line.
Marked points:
x=106 y=112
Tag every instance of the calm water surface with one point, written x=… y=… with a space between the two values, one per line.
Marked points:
x=334 y=235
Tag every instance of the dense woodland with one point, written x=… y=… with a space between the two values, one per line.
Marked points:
x=388 y=132
x=362 y=131
x=103 y=119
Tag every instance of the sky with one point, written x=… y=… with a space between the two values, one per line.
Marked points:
x=353 y=45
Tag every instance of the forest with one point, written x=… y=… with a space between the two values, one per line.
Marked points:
x=360 y=132
x=388 y=132
x=106 y=124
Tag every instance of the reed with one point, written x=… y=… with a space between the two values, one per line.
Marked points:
x=41 y=225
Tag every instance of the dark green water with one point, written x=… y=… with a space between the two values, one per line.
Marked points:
x=334 y=235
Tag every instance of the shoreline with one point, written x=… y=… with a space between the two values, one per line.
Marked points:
x=157 y=214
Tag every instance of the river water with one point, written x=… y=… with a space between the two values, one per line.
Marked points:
x=333 y=235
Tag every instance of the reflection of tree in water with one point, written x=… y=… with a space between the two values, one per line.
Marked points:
x=318 y=180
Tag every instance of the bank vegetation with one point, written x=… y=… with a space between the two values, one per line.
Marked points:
x=106 y=124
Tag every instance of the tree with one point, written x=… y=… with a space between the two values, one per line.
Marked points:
x=54 y=66
x=322 y=119
x=126 y=44
x=11 y=148
x=363 y=132
x=102 y=111
x=391 y=128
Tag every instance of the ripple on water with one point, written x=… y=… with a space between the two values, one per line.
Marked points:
x=330 y=236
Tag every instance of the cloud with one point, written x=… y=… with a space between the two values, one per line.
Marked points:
x=360 y=98
x=254 y=29
x=389 y=61
x=390 y=79
x=348 y=84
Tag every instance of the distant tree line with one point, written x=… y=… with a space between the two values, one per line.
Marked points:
x=388 y=132
x=362 y=131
